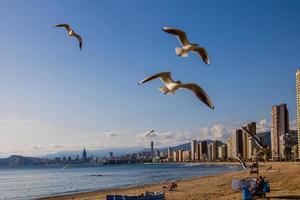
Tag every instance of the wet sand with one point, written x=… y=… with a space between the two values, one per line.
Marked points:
x=284 y=180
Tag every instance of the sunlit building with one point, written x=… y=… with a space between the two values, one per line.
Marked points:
x=280 y=126
x=249 y=147
x=235 y=144
x=152 y=149
x=176 y=156
x=298 y=107
x=170 y=155
x=193 y=150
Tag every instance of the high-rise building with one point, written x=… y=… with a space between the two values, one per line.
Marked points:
x=287 y=142
x=157 y=153
x=180 y=155
x=235 y=144
x=222 y=152
x=215 y=146
x=152 y=149
x=193 y=150
x=249 y=147
x=176 y=156
x=280 y=126
x=170 y=155
x=197 y=154
x=186 y=156
x=298 y=106
x=210 y=151
x=84 y=155
x=203 y=149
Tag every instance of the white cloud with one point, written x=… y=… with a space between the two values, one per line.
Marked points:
x=263 y=126
x=216 y=132
x=293 y=124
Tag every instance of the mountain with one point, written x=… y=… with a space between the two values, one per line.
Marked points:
x=15 y=161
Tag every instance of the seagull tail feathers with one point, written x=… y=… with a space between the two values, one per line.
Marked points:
x=164 y=90
x=179 y=52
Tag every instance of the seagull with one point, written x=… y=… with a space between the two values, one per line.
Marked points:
x=186 y=45
x=149 y=133
x=171 y=86
x=242 y=162
x=71 y=33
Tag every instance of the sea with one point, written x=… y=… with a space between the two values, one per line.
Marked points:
x=44 y=181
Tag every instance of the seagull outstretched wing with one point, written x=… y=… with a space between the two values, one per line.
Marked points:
x=178 y=33
x=203 y=54
x=164 y=76
x=242 y=162
x=199 y=92
x=66 y=26
x=79 y=39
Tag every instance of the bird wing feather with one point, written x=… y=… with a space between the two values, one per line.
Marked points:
x=79 y=39
x=199 y=92
x=203 y=54
x=242 y=162
x=181 y=35
x=165 y=77
x=67 y=26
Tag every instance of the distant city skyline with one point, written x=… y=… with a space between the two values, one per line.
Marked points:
x=57 y=98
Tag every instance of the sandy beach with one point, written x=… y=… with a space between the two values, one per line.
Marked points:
x=284 y=180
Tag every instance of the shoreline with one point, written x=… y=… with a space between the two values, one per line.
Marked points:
x=284 y=180
x=128 y=187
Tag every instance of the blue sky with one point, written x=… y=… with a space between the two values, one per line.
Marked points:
x=54 y=96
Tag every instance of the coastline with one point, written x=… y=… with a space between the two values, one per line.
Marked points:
x=284 y=180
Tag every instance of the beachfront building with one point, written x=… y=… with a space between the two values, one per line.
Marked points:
x=287 y=142
x=176 y=156
x=209 y=152
x=170 y=155
x=235 y=144
x=180 y=155
x=84 y=155
x=298 y=107
x=186 y=156
x=280 y=126
x=152 y=149
x=249 y=148
x=215 y=145
x=222 y=152
x=193 y=150
x=203 y=150
x=197 y=154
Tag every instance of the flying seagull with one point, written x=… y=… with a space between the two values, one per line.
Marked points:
x=186 y=45
x=242 y=162
x=171 y=86
x=149 y=133
x=71 y=33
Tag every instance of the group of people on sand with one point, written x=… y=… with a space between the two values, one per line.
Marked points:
x=258 y=190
